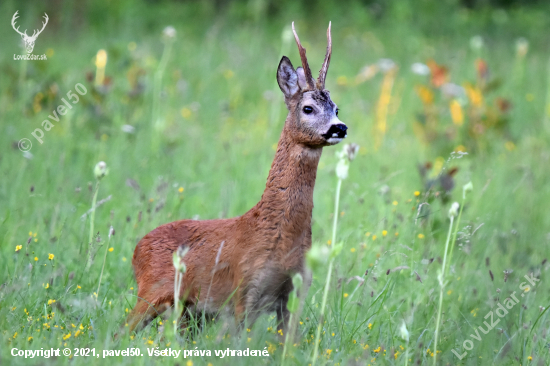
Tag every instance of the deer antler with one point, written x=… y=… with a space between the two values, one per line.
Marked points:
x=305 y=65
x=34 y=34
x=15 y=16
x=324 y=68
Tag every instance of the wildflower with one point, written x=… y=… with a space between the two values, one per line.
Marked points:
x=476 y=43
x=396 y=354
x=420 y=69
x=530 y=358
x=384 y=232
x=180 y=190
x=47 y=286
x=456 y=113
x=51 y=301
x=111 y=249
x=396 y=233
x=404 y=332
x=29 y=339
x=395 y=203
x=18 y=248
x=78 y=287
x=67 y=336
x=367 y=234
x=374 y=237
x=416 y=193
x=420 y=236
x=189 y=363
x=329 y=351
x=377 y=350
x=280 y=331
x=100 y=170
x=370 y=325
x=51 y=256
x=35 y=259
x=169 y=33
x=453 y=211
x=352 y=250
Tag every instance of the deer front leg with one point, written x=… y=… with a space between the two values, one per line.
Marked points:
x=283 y=317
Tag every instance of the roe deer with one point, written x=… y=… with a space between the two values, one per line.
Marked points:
x=249 y=259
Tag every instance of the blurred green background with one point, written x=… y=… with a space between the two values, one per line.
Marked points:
x=187 y=120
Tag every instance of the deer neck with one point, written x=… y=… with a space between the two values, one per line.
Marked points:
x=288 y=196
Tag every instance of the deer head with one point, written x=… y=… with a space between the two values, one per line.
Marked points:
x=29 y=41
x=313 y=115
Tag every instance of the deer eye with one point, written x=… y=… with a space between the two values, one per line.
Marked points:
x=307 y=109
x=337 y=110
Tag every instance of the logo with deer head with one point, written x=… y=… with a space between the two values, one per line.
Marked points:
x=29 y=40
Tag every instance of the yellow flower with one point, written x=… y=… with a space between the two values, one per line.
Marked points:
x=474 y=95
x=384 y=232
x=374 y=237
x=530 y=358
x=280 y=331
x=352 y=250
x=47 y=286
x=18 y=248
x=527 y=289
x=185 y=113
x=456 y=112
x=370 y=325
x=416 y=193
x=29 y=339
x=67 y=336
x=81 y=327
x=396 y=234
x=396 y=354
x=425 y=94
x=78 y=287
x=111 y=249
x=376 y=350
x=329 y=242
x=50 y=301
x=367 y=234
x=77 y=333
x=35 y=259
x=50 y=256
x=333 y=334
x=420 y=236
x=180 y=190
x=329 y=351
x=394 y=203
x=189 y=363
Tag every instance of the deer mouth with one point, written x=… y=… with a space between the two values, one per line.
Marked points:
x=336 y=133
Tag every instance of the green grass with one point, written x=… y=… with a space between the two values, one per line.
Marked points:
x=223 y=115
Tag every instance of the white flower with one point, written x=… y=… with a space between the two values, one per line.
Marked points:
x=420 y=69
x=386 y=64
x=453 y=211
x=169 y=32
x=342 y=169
x=476 y=43
x=404 y=332
x=128 y=128
x=100 y=170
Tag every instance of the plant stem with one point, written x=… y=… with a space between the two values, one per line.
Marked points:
x=92 y=218
x=104 y=260
x=329 y=273
x=441 y=288
x=455 y=232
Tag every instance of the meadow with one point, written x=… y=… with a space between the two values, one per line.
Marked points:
x=186 y=119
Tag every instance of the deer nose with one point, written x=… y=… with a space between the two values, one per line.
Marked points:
x=336 y=131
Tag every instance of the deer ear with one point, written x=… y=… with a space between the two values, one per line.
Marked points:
x=287 y=78
x=302 y=83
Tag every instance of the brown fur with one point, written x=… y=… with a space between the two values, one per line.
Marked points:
x=261 y=249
